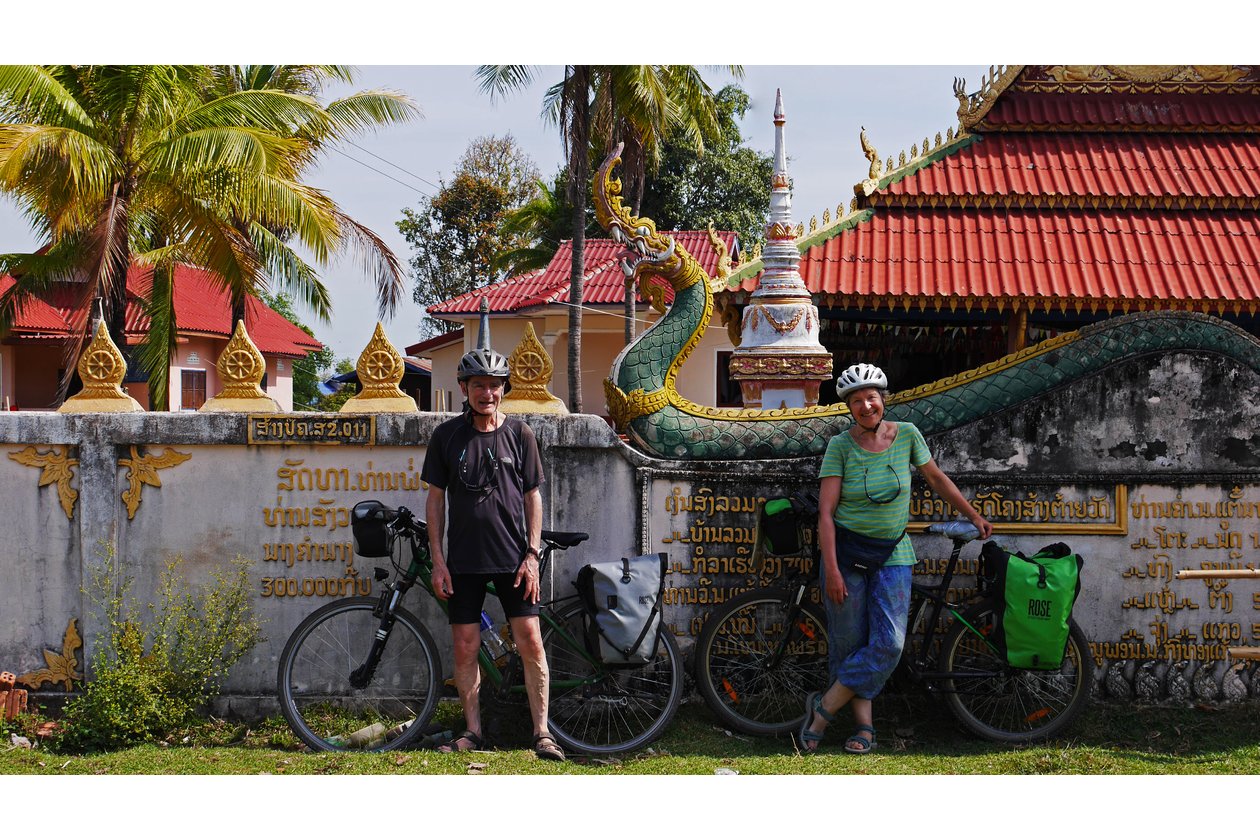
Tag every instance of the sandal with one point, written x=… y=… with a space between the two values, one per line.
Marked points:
x=546 y=748
x=468 y=735
x=864 y=744
x=813 y=705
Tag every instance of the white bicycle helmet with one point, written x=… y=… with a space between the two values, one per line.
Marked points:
x=484 y=362
x=859 y=376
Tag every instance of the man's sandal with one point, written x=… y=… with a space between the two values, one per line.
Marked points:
x=546 y=748
x=813 y=704
x=864 y=744
x=468 y=735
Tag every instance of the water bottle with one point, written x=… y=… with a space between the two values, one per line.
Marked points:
x=490 y=636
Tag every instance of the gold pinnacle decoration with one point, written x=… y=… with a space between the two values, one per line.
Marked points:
x=380 y=369
x=241 y=370
x=142 y=469
x=102 y=368
x=57 y=468
x=531 y=370
x=62 y=667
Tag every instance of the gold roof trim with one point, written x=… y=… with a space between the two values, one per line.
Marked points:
x=973 y=107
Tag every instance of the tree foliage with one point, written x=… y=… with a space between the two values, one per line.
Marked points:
x=457 y=234
x=308 y=372
x=728 y=184
x=153 y=165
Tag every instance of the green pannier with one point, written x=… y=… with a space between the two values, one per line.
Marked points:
x=1035 y=596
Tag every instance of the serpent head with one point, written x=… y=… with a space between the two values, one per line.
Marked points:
x=649 y=252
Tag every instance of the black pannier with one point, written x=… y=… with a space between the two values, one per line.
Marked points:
x=367 y=522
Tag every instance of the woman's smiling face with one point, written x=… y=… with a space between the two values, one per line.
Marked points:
x=866 y=406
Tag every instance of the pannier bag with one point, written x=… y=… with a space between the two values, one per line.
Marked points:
x=367 y=524
x=625 y=599
x=1035 y=596
x=781 y=532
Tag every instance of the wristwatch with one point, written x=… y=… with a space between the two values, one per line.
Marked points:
x=533 y=551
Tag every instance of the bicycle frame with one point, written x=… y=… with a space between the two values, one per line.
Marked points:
x=936 y=597
x=420 y=571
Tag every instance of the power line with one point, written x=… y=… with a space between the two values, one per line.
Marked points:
x=396 y=166
x=383 y=174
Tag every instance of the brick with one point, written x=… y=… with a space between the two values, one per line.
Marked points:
x=7 y=680
x=4 y=705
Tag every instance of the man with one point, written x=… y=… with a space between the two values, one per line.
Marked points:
x=484 y=466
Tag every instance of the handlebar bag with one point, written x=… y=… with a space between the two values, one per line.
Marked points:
x=1035 y=596
x=623 y=601
x=781 y=531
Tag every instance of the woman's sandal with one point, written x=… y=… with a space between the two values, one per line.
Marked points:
x=813 y=704
x=546 y=748
x=468 y=735
x=864 y=744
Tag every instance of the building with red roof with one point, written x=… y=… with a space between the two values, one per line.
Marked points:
x=541 y=297
x=1067 y=195
x=31 y=354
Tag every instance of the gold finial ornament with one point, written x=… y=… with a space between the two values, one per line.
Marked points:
x=531 y=370
x=241 y=369
x=380 y=369
x=102 y=368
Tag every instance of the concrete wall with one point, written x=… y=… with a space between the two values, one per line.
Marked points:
x=1146 y=468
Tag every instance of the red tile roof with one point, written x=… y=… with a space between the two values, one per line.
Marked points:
x=927 y=258
x=603 y=284
x=1051 y=167
x=34 y=316
x=1026 y=110
x=201 y=306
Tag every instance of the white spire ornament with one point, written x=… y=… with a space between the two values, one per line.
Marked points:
x=780 y=363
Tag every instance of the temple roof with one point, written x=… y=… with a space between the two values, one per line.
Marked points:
x=1084 y=170
x=1067 y=187
x=202 y=306
x=1049 y=259
x=604 y=282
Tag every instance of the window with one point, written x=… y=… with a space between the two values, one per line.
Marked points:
x=192 y=385
x=728 y=390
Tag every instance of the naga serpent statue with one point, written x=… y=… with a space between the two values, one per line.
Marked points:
x=645 y=404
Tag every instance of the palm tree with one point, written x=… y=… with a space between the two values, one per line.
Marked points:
x=568 y=104
x=157 y=165
x=638 y=104
x=642 y=106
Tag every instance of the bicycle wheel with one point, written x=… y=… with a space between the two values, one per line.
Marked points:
x=753 y=670
x=316 y=696
x=600 y=710
x=1007 y=704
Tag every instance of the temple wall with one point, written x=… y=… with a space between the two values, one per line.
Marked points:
x=1147 y=468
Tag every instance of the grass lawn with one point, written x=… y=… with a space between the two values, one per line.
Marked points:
x=916 y=736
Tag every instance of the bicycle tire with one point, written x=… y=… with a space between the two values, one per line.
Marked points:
x=313 y=679
x=602 y=710
x=1017 y=706
x=733 y=672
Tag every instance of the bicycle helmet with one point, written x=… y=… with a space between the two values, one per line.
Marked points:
x=484 y=362
x=859 y=376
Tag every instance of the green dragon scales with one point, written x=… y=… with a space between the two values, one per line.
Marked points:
x=644 y=402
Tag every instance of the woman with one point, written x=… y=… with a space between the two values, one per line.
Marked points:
x=865 y=488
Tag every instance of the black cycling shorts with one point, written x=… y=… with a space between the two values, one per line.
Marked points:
x=464 y=604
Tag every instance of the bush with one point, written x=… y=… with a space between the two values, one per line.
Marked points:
x=151 y=676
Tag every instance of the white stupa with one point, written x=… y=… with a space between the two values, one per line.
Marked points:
x=779 y=362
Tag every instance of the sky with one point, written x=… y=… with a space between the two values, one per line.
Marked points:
x=376 y=176
x=891 y=71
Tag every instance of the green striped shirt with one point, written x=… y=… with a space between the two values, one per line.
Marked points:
x=866 y=476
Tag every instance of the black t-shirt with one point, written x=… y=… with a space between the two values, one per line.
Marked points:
x=486 y=476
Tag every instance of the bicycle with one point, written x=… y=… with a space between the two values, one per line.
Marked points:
x=361 y=673
x=760 y=655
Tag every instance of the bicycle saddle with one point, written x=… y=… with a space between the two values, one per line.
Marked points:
x=565 y=539
x=955 y=529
